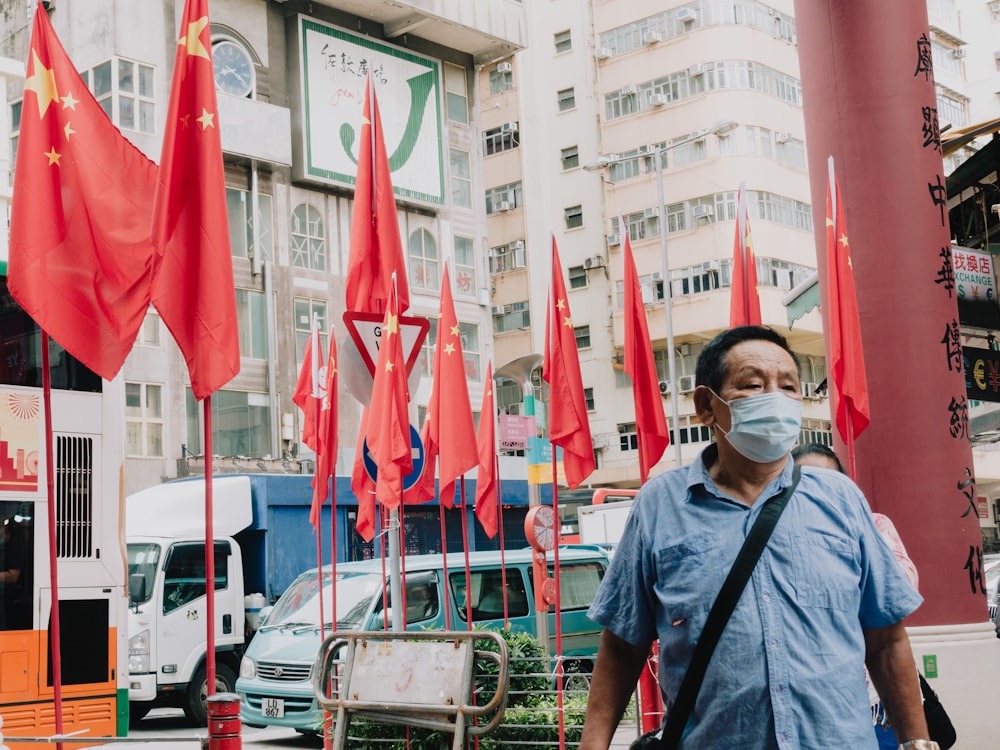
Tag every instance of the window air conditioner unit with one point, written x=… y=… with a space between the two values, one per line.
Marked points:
x=514 y=410
x=696 y=70
x=958 y=53
x=643 y=149
x=602 y=53
x=809 y=391
x=504 y=206
x=664 y=387
x=702 y=212
x=497 y=310
x=614 y=240
x=650 y=213
x=657 y=100
x=687 y=15
x=685 y=383
x=595 y=262
x=783 y=137
x=504 y=67
x=629 y=89
x=517 y=245
x=710 y=265
x=508 y=127
x=652 y=37
x=656 y=276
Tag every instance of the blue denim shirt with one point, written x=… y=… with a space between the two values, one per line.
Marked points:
x=788 y=671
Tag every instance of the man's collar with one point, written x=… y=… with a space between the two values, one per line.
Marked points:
x=698 y=472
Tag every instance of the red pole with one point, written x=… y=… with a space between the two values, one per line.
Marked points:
x=209 y=555
x=558 y=602
x=50 y=486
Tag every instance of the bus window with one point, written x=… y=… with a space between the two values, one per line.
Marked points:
x=578 y=584
x=16 y=565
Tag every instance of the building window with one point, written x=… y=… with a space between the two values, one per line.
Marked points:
x=628 y=438
x=573 y=216
x=512 y=317
x=461 y=179
x=501 y=81
x=504 y=198
x=424 y=261
x=144 y=420
x=577 y=277
x=469 y=333
x=239 y=207
x=303 y=311
x=566 y=99
x=251 y=315
x=124 y=89
x=582 y=334
x=426 y=361
x=504 y=138
x=650 y=285
x=995 y=12
x=570 y=158
x=149 y=332
x=457 y=92
x=465 y=267
x=507 y=257
x=563 y=41
x=241 y=424
x=588 y=397
x=308 y=241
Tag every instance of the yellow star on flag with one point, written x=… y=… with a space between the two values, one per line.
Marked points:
x=449 y=348
x=192 y=40
x=455 y=330
x=829 y=221
x=843 y=240
x=388 y=366
x=43 y=83
x=561 y=304
x=69 y=102
x=207 y=119
x=568 y=321
x=392 y=326
x=54 y=157
x=68 y=130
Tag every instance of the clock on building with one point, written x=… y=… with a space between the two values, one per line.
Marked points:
x=233 y=68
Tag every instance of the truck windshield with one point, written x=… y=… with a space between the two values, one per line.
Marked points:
x=299 y=605
x=144 y=558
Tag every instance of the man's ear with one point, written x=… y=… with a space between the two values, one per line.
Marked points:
x=703 y=405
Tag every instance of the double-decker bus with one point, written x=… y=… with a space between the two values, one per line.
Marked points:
x=88 y=456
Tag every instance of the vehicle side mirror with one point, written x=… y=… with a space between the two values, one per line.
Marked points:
x=136 y=588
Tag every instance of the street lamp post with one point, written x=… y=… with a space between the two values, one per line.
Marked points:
x=602 y=163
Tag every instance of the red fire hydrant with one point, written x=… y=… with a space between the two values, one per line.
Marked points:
x=224 y=722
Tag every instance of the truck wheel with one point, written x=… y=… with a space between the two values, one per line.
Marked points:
x=195 y=707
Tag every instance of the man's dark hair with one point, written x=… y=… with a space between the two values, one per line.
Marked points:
x=817 y=449
x=711 y=368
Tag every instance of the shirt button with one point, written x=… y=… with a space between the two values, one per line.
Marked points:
x=767 y=597
x=773 y=644
x=778 y=689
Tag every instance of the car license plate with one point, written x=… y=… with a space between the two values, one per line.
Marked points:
x=273 y=708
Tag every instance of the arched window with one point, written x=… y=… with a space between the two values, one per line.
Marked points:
x=308 y=241
x=424 y=261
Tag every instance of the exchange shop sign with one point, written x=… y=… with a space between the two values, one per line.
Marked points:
x=976 y=284
x=982 y=373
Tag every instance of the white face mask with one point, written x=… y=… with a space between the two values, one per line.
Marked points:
x=765 y=427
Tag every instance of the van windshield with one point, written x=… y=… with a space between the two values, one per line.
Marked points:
x=299 y=605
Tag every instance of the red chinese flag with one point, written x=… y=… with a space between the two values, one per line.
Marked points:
x=450 y=429
x=423 y=491
x=81 y=258
x=486 y=478
x=744 y=303
x=847 y=359
x=326 y=453
x=388 y=420
x=308 y=393
x=193 y=289
x=568 y=425
x=362 y=485
x=376 y=250
x=650 y=423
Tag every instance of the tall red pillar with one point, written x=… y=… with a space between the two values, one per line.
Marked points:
x=869 y=101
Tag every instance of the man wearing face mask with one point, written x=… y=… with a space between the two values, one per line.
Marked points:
x=825 y=598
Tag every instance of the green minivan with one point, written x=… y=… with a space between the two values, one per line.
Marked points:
x=274 y=683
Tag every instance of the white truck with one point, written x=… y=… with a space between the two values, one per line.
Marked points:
x=603 y=523
x=262 y=540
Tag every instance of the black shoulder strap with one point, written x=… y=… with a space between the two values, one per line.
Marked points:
x=721 y=610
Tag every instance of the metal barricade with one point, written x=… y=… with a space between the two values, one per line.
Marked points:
x=424 y=679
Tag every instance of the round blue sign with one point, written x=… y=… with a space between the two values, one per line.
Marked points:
x=418 y=460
